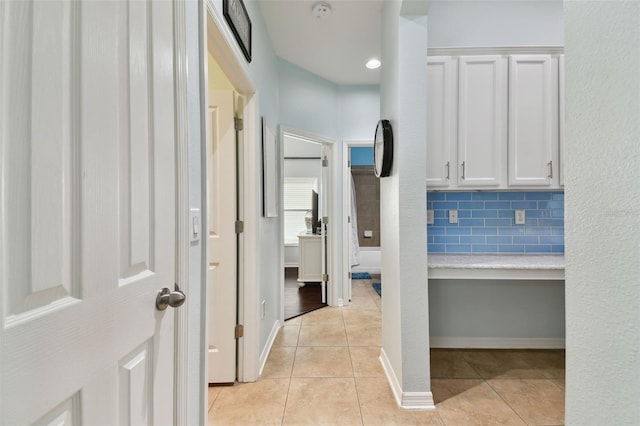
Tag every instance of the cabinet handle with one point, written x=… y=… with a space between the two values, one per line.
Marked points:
x=463 y=170
x=550 y=164
x=448 y=170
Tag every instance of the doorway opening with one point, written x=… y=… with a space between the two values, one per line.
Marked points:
x=361 y=218
x=239 y=324
x=307 y=195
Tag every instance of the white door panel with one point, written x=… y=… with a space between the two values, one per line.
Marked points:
x=88 y=212
x=222 y=281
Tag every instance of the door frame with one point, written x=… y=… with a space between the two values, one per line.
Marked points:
x=218 y=40
x=346 y=211
x=334 y=297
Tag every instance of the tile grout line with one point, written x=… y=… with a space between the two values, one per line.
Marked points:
x=353 y=372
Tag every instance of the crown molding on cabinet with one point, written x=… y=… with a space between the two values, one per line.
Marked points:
x=496 y=50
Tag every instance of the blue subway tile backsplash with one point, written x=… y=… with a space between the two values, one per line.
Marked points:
x=486 y=222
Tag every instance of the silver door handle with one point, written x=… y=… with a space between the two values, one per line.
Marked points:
x=167 y=298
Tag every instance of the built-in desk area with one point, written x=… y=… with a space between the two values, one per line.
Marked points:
x=496 y=301
x=489 y=266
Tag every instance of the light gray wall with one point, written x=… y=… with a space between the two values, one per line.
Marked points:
x=496 y=309
x=359 y=111
x=308 y=102
x=495 y=23
x=405 y=322
x=602 y=153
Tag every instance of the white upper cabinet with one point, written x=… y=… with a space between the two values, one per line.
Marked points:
x=441 y=121
x=533 y=121
x=482 y=124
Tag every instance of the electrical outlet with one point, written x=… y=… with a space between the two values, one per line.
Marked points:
x=430 y=217
x=520 y=219
x=453 y=216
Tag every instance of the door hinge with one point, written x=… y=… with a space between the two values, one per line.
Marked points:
x=325 y=162
x=349 y=275
x=238 y=123
x=239 y=226
x=325 y=277
x=239 y=331
x=348 y=219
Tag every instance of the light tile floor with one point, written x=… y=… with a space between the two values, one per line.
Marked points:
x=324 y=370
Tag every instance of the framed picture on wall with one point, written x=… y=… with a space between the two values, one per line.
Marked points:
x=269 y=169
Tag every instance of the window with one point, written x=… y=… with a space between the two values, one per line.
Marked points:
x=297 y=200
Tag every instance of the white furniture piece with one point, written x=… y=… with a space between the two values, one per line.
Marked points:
x=310 y=266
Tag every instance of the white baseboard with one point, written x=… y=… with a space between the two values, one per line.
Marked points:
x=496 y=343
x=406 y=400
x=267 y=347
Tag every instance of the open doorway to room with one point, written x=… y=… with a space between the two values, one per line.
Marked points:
x=230 y=218
x=306 y=195
x=361 y=203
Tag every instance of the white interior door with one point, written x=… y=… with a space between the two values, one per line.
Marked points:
x=323 y=213
x=222 y=239
x=88 y=212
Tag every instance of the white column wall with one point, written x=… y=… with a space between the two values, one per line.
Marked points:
x=602 y=212
x=405 y=313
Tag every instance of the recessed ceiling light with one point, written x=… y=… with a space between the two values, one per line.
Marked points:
x=373 y=64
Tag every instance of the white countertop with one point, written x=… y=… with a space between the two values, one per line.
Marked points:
x=498 y=266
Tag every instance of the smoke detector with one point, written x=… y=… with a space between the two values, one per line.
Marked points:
x=321 y=10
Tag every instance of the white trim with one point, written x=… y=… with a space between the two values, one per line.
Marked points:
x=496 y=343
x=267 y=348
x=181 y=329
x=346 y=212
x=406 y=400
x=496 y=50
x=226 y=51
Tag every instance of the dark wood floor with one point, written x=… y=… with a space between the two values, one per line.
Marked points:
x=300 y=300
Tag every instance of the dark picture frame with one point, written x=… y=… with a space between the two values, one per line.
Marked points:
x=238 y=19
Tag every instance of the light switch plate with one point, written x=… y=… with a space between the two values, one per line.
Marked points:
x=453 y=216
x=520 y=219
x=430 y=217
x=368 y=233
x=196 y=225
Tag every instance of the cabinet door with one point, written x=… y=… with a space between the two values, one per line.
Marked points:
x=481 y=120
x=533 y=120
x=441 y=121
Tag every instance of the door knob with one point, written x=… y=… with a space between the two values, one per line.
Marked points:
x=167 y=297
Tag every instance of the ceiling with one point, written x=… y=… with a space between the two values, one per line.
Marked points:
x=335 y=47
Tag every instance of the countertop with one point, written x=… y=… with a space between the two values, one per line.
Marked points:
x=499 y=266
